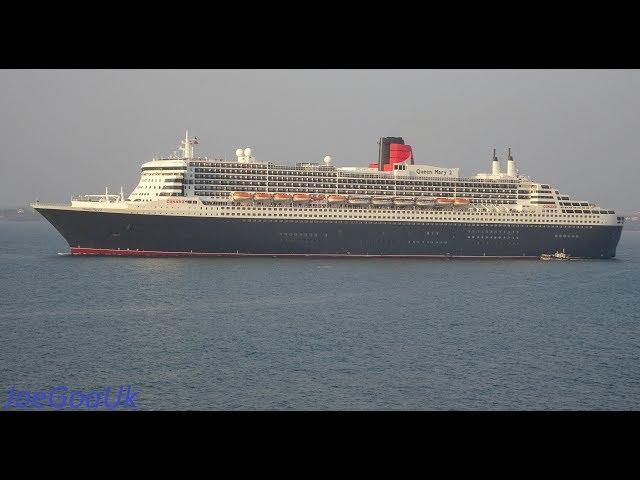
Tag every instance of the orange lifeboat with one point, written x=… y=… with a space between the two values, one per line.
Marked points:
x=281 y=197
x=262 y=196
x=241 y=196
x=461 y=202
x=301 y=197
x=444 y=201
x=318 y=198
x=336 y=199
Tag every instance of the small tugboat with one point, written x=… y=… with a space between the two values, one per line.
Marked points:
x=561 y=255
x=555 y=256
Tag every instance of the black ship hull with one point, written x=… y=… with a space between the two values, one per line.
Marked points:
x=101 y=233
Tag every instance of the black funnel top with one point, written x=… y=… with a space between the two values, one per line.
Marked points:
x=384 y=149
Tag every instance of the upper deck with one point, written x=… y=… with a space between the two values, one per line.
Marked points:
x=396 y=180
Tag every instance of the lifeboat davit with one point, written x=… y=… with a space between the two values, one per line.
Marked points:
x=318 y=198
x=444 y=201
x=359 y=200
x=241 y=196
x=262 y=196
x=336 y=199
x=301 y=197
x=461 y=202
x=281 y=197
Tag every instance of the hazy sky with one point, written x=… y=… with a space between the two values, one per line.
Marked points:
x=68 y=132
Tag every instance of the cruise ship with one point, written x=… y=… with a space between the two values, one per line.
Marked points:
x=189 y=205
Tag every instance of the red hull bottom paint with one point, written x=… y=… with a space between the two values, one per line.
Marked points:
x=155 y=253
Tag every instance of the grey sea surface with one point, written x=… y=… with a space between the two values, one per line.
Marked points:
x=312 y=334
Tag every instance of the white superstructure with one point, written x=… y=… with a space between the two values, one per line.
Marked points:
x=199 y=186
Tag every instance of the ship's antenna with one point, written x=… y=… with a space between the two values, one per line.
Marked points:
x=186 y=146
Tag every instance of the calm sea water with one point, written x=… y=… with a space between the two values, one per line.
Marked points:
x=263 y=333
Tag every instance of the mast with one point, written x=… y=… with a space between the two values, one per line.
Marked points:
x=186 y=146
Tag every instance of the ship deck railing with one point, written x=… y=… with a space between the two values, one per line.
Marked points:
x=104 y=198
x=498 y=208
